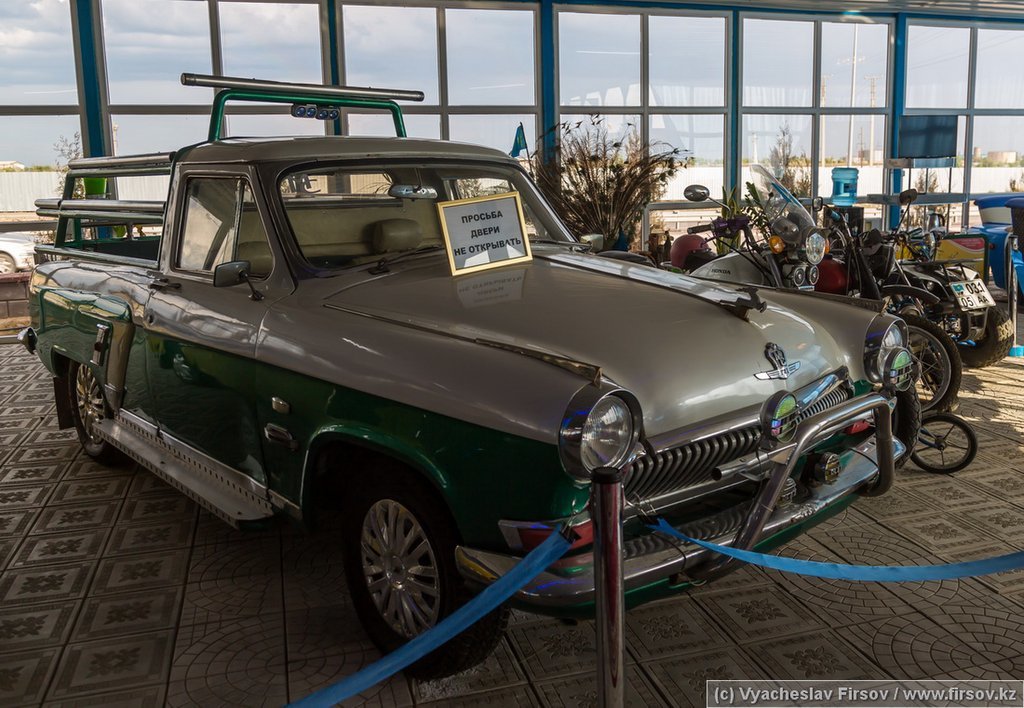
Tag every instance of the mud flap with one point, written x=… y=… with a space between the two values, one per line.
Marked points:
x=60 y=395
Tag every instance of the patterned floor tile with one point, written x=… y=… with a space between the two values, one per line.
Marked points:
x=140 y=572
x=910 y=646
x=324 y=631
x=34 y=474
x=237 y=559
x=548 y=651
x=1003 y=583
x=516 y=697
x=56 y=454
x=684 y=678
x=938 y=533
x=146 y=509
x=1004 y=521
x=949 y=494
x=994 y=631
x=25 y=675
x=306 y=675
x=132 y=613
x=7 y=548
x=231 y=597
x=668 y=628
x=757 y=613
x=1002 y=482
x=144 y=484
x=32 y=585
x=68 y=436
x=48 y=549
x=499 y=670
x=140 y=538
x=212 y=530
x=17 y=497
x=240 y=662
x=77 y=491
x=84 y=468
x=147 y=697
x=16 y=522
x=898 y=503
x=36 y=626
x=818 y=656
x=113 y=664
x=582 y=691
x=73 y=517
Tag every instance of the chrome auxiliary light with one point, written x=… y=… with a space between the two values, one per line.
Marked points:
x=899 y=370
x=779 y=417
x=827 y=468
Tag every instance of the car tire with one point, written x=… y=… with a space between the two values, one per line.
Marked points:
x=7 y=264
x=944 y=361
x=996 y=343
x=396 y=493
x=88 y=406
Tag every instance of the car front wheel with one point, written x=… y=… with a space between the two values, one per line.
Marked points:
x=399 y=546
x=88 y=408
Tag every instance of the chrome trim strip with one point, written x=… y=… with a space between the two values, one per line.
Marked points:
x=651 y=558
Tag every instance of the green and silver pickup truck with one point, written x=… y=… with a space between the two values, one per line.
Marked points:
x=290 y=330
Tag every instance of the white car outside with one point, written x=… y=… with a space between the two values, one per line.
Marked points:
x=17 y=252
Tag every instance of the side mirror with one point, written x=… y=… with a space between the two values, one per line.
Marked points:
x=232 y=273
x=908 y=196
x=595 y=241
x=696 y=193
x=817 y=204
x=227 y=274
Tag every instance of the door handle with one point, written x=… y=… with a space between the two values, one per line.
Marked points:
x=163 y=284
x=280 y=436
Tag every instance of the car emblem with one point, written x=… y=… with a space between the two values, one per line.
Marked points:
x=777 y=358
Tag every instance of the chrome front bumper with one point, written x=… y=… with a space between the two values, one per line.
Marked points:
x=651 y=557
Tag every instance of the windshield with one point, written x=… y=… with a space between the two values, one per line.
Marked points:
x=778 y=203
x=347 y=215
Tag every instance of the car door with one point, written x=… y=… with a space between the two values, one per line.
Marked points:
x=203 y=338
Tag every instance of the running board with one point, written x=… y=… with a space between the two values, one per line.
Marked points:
x=227 y=493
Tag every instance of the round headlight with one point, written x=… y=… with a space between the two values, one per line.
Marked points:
x=607 y=434
x=779 y=417
x=814 y=248
x=899 y=371
x=880 y=343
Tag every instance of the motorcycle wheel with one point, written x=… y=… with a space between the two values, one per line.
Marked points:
x=906 y=422
x=946 y=444
x=994 y=346
x=939 y=361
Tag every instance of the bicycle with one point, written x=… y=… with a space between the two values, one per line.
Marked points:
x=945 y=444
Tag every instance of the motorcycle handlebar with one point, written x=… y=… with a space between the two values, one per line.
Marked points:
x=700 y=229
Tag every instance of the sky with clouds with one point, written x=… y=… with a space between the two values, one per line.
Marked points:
x=490 y=55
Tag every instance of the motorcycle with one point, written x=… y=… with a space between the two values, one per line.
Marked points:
x=796 y=255
x=960 y=304
x=789 y=257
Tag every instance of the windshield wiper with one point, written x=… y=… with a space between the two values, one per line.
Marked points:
x=555 y=242
x=382 y=264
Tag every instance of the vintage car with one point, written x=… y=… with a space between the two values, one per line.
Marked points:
x=290 y=330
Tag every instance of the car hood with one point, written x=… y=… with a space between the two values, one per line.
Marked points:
x=684 y=357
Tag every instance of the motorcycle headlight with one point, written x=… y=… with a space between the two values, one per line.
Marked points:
x=599 y=431
x=814 y=248
x=885 y=336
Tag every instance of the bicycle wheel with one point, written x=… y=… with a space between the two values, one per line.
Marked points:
x=946 y=444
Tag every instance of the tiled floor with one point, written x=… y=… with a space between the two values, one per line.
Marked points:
x=116 y=590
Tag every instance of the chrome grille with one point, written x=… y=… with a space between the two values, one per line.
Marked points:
x=688 y=465
x=830 y=399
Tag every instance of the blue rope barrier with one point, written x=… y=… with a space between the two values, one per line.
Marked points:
x=860 y=573
x=553 y=548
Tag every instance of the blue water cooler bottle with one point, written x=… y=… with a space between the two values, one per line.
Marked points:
x=844 y=186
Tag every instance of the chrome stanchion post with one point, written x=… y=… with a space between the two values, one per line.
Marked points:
x=606 y=512
x=1011 y=291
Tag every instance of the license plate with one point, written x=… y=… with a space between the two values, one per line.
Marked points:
x=972 y=295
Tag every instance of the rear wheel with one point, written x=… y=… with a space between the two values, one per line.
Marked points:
x=88 y=408
x=995 y=345
x=399 y=553
x=939 y=361
x=946 y=444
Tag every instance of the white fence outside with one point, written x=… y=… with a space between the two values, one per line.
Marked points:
x=19 y=190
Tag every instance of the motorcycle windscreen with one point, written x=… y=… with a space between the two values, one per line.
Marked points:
x=778 y=202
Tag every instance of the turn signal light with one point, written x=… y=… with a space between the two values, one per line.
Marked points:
x=533 y=536
x=776 y=244
x=859 y=427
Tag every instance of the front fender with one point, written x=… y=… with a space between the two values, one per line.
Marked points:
x=921 y=294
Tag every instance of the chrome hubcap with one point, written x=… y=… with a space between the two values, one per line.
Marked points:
x=399 y=568
x=89 y=398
